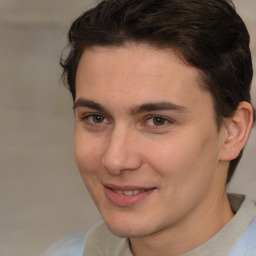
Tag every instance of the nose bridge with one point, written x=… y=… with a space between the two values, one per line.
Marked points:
x=121 y=154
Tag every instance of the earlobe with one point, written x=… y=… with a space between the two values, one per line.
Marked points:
x=237 y=129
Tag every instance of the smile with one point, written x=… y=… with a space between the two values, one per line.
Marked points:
x=127 y=196
x=129 y=192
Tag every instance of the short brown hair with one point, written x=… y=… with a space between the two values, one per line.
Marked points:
x=209 y=34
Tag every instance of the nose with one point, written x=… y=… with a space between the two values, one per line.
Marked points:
x=122 y=154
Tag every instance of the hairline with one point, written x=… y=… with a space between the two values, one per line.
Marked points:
x=177 y=53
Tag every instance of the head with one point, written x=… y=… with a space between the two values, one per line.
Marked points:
x=207 y=35
x=161 y=99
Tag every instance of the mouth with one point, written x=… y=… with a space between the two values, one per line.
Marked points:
x=127 y=195
x=129 y=192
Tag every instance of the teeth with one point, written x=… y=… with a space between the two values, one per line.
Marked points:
x=129 y=192
x=135 y=192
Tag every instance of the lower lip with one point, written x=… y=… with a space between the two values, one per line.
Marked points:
x=126 y=201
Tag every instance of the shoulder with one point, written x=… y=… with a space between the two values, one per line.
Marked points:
x=246 y=244
x=72 y=245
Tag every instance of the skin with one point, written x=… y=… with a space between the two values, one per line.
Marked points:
x=124 y=137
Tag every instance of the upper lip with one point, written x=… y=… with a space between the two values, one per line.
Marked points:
x=127 y=187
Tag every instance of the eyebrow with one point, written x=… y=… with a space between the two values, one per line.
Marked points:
x=89 y=104
x=157 y=106
x=135 y=110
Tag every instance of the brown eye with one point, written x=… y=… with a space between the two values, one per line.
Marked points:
x=158 y=120
x=97 y=119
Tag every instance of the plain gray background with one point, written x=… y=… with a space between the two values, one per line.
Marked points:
x=41 y=193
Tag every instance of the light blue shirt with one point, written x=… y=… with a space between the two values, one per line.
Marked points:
x=237 y=238
x=246 y=245
x=72 y=245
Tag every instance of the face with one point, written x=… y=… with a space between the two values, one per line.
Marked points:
x=146 y=141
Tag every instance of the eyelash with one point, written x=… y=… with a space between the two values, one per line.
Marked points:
x=92 y=115
x=154 y=126
x=86 y=118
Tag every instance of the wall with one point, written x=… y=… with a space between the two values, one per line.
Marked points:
x=42 y=195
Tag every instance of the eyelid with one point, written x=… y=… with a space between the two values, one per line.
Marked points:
x=86 y=113
x=85 y=118
x=166 y=119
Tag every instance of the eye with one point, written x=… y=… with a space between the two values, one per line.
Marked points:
x=157 y=121
x=94 y=119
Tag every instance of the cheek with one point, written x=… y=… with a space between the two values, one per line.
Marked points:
x=88 y=159
x=87 y=154
x=171 y=157
x=182 y=157
x=185 y=168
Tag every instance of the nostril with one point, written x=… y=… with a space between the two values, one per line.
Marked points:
x=121 y=162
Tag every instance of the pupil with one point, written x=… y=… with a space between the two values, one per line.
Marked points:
x=158 y=120
x=97 y=119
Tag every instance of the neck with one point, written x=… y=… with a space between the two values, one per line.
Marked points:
x=189 y=233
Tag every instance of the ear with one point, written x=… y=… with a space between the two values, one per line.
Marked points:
x=237 y=129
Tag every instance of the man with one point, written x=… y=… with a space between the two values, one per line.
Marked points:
x=161 y=94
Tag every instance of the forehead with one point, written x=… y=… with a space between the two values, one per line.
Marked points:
x=135 y=74
x=132 y=59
